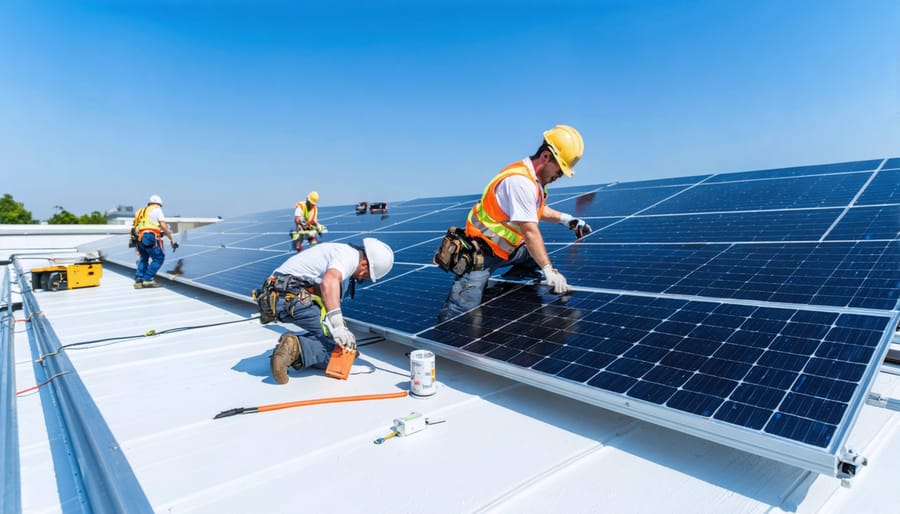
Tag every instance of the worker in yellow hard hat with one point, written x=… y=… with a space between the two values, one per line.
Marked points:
x=502 y=228
x=306 y=221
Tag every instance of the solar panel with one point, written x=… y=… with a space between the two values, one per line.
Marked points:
x=750 y=308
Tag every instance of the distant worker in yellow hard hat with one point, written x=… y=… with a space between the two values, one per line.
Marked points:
x=502 y=228
x=306 y=221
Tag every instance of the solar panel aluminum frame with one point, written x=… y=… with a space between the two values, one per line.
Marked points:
x=837 y=460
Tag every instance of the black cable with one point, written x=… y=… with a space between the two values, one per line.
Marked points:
x=147 y=334
x=369 y=340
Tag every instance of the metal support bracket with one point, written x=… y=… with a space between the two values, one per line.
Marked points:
x=879 y=400
x=849 y=463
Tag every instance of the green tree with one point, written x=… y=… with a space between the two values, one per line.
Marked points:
x=14 y=212
x=94 y=218
x=63 y=217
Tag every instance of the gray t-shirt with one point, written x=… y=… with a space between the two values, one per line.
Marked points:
x=311 y=264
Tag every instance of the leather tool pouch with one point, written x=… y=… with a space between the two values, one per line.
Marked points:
x=265 y=298
x=458 y=253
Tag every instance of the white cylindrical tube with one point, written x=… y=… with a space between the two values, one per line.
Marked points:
x=421 y=373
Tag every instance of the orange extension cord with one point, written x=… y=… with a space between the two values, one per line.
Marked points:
x=315 y=401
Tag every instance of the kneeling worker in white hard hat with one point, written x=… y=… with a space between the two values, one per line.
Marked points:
x=307 y=290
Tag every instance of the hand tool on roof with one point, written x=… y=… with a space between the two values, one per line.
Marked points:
x=385 y=438
x=408 y=425
x=303 y=403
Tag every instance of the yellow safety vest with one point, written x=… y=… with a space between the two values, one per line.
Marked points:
x=142 y=222
x=489 y=222
x=310 y=213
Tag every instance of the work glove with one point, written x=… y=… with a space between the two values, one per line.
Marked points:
x=175 y=246
x=554 y=279
x=339 y=331
x=579 y=226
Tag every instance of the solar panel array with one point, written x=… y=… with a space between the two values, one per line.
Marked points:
x=749 y=308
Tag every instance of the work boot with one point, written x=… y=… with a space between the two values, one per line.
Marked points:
x=138 y=284
x=287 y=353
x=150 y=283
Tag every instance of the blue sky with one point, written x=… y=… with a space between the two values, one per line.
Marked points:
x=231 y=107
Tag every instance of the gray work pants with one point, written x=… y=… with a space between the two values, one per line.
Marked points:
x=466 y=292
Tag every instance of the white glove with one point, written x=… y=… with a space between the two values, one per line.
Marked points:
x=334 y=320
x=554 y=279
x=344 y=337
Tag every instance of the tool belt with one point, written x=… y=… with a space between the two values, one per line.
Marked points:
x=291 y=288
x=459 y=253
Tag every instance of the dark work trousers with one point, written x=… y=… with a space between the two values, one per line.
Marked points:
x=466 y=292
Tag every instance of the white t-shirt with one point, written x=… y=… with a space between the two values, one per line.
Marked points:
x=517 y=196
x=311 y=264
x=155 y=214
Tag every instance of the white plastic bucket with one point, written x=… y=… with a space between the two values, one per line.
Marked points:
x=421 y=373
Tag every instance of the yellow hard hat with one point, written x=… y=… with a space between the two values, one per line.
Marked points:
x=313 y=197
x=566 y=146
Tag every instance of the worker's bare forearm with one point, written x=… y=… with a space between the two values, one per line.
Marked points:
x=551 y=215
x=330 y=289
x=534 y=241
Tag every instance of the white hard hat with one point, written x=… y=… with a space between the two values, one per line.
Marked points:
x=155 y=199
x=380 y=256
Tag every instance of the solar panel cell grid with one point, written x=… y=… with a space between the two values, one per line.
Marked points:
x=788 y=193
x=796 y=225
x=798 y=171
x=884 y=188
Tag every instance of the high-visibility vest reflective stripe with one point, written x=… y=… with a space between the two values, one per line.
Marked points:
x=488 y=221
x=310 y=213
x=143 y=223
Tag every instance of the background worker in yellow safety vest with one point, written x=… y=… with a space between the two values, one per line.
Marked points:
x=306 y=220
x=504 y=223
x=149 y=226
x=313 y=282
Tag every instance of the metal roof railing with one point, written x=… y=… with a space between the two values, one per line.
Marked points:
x=97 y=464
x=11 y=496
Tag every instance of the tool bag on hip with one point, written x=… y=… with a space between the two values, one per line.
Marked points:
x=458 y=253
x=265 y=298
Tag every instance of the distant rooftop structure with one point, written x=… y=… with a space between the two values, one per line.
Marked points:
x=124 y=215
x=120 y=215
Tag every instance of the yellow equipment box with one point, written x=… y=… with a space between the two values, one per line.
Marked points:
x=68 y=276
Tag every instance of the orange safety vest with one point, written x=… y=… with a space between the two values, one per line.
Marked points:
x=489 y=222
x=142 y=222
x=310 y=213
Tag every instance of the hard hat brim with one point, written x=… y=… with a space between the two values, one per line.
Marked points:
x=566 y=169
